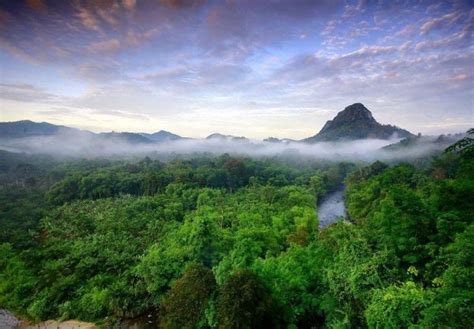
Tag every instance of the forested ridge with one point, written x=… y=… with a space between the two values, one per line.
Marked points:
x=233 y=242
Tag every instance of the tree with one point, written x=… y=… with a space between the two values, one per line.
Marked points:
x=454 y=299
x=184 y=304
x=237 y=173
x=317 y=183
x=295 y=280
x=464 y=146
x=244 y=302
x=16 y=280
x=353 y=270
x=398 y=306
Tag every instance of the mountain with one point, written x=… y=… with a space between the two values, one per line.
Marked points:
x=162 y=136
x=435 y=142
x=272 y=140
x=227 y=137
x=132 y=138
x=27 y=128
x=278 y=140
x=356 y=122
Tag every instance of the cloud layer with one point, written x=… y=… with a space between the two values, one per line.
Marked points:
x=69 y=143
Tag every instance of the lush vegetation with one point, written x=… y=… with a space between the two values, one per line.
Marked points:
x=229 y=242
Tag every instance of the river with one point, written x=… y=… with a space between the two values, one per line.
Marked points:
x=331 y=208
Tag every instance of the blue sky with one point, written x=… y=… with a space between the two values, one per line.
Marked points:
x=255 y=68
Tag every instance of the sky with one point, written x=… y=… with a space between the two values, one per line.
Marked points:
x=256 y=68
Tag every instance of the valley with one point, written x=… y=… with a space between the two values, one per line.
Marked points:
x=174 y=241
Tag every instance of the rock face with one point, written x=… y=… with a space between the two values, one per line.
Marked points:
x=8 y=320
x=356 y=122
x=51 y=324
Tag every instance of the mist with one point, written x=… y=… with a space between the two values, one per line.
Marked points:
x=83 y=144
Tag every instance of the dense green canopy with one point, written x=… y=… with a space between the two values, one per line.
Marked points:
x=232 y=242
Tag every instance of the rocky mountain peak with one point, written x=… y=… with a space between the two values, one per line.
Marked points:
x=356 y=122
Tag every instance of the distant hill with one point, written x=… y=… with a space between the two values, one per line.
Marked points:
x=272 y=140
x=356 y=122
x=162 y=136
x=227 y=137
x=132 y=138
x=27 y=128
x=437 y=142
x=278 y=140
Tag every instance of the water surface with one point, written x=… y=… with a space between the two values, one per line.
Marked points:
x=331 y=208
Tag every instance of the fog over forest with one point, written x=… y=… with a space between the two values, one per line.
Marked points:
x=90 y=146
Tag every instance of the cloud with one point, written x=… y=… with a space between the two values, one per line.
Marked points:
x=363 y=53
x=99 y=73
x=17 y=51
x=109 y=16
x=129 y=4
x=122 y=114
x=111 y=45
x=199 y=79
x=37 y=5
x=167 y=59
x=461 y=77
x=136 y=38
x=441 y=22
x=407 y=31
x=167 y=74
x=306 y=67
x=353 y=10
x=179 y=4
x=89 y=20
x=458 y=40
x=25 y=93
x=83 y=143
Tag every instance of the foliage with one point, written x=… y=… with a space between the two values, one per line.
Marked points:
x=464 y=146
x=17 y=281
x=184 y=304
x=454 y=299
x=295 y=280
x=398 y=307
x=244 y=302
x=233 y=242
